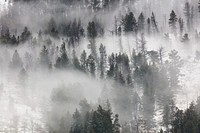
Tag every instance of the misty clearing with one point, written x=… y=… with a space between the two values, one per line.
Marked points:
x=99 y=66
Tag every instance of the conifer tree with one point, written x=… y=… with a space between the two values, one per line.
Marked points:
x=129 y=23
x=154 y=23
x=102 y=60
x=16 y=60
x=141 y=22
x=83 y=61
x=172 y=22
x=181 y=26
x=44 y=57
x=187 y=12
x=149 y=26
x=91 y=65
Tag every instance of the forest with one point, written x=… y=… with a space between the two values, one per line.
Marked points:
x=99 y=66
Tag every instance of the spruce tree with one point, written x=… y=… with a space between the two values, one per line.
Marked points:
x=187 y=12
x=154 y=23
x=141 y=22
x=83 y=61
x=172 y=21
x=102 y=60
x=129 y=23
x=181 y=26
x=91 y=65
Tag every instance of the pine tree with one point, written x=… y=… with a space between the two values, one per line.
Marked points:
x=142 y=42
x=75 y=61
x=129 y=81
x=154 y=23
x=92 y=34
x=174 y=68
x=63 y=60
x=44 y=57
x=161 y=53
x=102 y=121
x=84 y=107
x=91 y=30
x=26 y=34
x=77 y=125
x=23 y=75
x=199 y=5
x=83 y=61
x=141 y=22
x=16 y=60
x=187 y=14
x=172 y=22
x=181 y=26
x=111 y=61
x=102 y=64
x=129 y=23
x=119 y=77
x=149 y=26
x=52 y=28
x=116 y=125
x=91 y=64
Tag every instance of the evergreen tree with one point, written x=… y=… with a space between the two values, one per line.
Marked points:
x=154 y=23
x=172 y=21
x=187 y=14
x=83 y=61
x=77 y=125
x=102 y=63
x=91 y=30
x=129 y=23
x=111 y=61
x=142 y=42
x=149 y=26
x=92 y=34
x=116 y=125
x=16 y=60
x=129 y=81
x=63 y=60
x=141 y=22
x=91 y=65
x=23 y=75
x=44 y=57
x=174 y=68
x=52 y=28
x=181 y=26
x=26 y=34
x=76 y=62
x=102 y=121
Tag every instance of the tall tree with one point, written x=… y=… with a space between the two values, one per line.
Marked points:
x=16 y=60
x=187 y=12
x=154 y=23
x=77 y=124
x=149 y=26
x=92 y=34
x=91 y=65
x=102 y=60
x=129 y=23
x=181 y=26
x=44 y=57
x=172 y=21
x=83 y=61
x=63 y=60
x=141 y=22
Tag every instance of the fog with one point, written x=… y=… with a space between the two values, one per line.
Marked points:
x=62 y=60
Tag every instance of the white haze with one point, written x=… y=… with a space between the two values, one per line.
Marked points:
x=32 y=100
